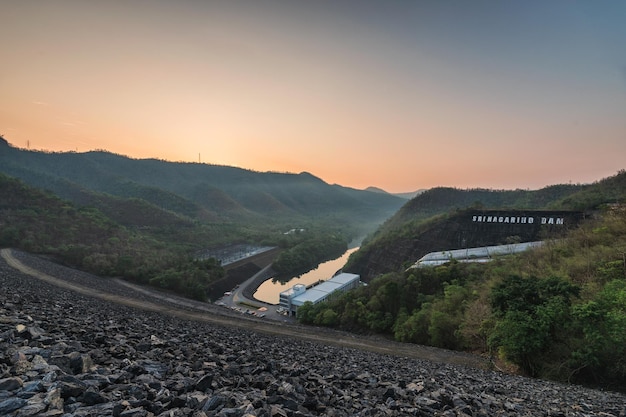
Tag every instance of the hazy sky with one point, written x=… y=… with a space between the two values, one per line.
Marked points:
x=396 y=94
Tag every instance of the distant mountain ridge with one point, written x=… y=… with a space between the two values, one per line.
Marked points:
x=406 y=196
x=193 y=190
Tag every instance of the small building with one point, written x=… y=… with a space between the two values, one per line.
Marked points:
x=297 y=295
x=285 y=297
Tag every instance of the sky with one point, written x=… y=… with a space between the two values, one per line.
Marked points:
x=400 y=95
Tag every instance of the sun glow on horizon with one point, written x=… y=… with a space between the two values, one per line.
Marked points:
x=400 y=97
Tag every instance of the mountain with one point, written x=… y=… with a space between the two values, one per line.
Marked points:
x=440 y=219
x=376 y=190
x=410 y=195
x=194 y=191
x=406 y=196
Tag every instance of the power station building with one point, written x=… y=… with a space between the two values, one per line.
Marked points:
x=299 y=294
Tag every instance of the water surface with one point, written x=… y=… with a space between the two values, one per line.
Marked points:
x=269 y=291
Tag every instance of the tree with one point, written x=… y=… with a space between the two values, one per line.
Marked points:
x=600 y=352
x=415 y=328
x=327 y=317
x=305 y=313
x=530 y=317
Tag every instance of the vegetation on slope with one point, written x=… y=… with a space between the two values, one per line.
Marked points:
x=85 y=238
x=611 y=190
x=308 y=252
x=200 y=192
x=557 y=312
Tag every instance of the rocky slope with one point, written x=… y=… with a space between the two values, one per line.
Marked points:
x=65 y=353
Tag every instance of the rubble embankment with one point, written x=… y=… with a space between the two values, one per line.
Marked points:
x=63 y=353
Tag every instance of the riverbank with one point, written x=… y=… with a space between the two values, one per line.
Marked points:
x=237 y=273
x=269 y=291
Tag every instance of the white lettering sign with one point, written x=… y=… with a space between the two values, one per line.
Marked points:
x=517 y=220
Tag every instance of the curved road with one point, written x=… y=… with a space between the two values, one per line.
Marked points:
x=191 y=311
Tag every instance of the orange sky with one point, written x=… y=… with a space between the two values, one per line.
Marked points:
x=402 y=95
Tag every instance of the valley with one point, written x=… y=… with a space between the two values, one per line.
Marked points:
x=134 y=227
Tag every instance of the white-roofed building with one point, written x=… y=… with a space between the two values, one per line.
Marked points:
x=297 y=295
x=481 y=254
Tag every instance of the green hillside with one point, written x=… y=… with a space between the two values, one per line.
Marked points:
x=424 y=223
x=199 y=191
x=39 y=222
x=611 y=190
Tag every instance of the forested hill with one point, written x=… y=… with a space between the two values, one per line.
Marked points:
x=444 y=199
x=437 y=220
x=194 y=190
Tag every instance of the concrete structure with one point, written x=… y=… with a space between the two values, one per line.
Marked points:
x=297 y=295
x=481 y=254
x=285 y=298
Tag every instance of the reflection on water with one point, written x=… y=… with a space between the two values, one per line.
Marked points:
x=270 y=291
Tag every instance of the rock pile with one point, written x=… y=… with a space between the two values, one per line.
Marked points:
x=65 y=354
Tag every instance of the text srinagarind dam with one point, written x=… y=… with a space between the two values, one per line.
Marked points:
x=518 y=219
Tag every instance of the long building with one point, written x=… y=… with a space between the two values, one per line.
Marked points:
x=297 y=295
x=481 y=254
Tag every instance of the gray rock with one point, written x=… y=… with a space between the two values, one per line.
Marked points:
x=92 y=398
x=71 y=389
x=79 y=363
x=213 y=403
x=134 y=412
x=204 y=383
x=10 y=384
x=10 y=405
x=53 y=399
x=33 y=386
x=32 y=409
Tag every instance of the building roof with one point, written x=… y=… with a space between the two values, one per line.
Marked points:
x=481 y=254
x=313 y=295
x=344 y=278
x=296 y=289
x=317 y=293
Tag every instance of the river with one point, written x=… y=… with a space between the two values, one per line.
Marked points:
x=270 y=290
